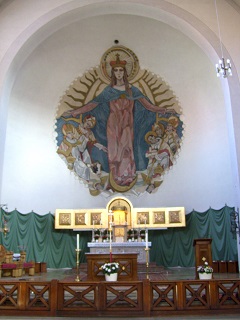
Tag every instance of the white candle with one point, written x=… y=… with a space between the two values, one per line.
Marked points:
x=77 y=241
x=146 y=238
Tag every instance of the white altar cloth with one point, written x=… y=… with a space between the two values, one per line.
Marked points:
x=121 y=247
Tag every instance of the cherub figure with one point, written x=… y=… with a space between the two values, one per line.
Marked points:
x=171 y=136
x=158 y=155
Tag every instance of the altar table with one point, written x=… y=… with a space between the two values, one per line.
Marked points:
x=121 y=247
x=127 y=263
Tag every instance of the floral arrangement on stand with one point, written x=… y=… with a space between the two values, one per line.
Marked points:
x=105 y=235
x=132 y=235
x=142 y=235
x=110 y=267
x=96 y=234
x=205 y=268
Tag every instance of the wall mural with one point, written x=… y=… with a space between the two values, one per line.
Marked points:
x=118 y=126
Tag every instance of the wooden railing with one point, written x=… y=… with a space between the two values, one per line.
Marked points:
x=132 y=298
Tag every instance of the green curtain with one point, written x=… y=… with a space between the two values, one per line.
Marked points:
x=172 y=247
x=36 y=234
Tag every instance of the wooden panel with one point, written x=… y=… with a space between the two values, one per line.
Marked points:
x=163 y=296
x=127 y=263
x=222 y=266
x=124 y=296
x=43 y=267
x=228 y=293
x=215 y=266
x=144 y=298
x=9 y=292
x=196 y=295
x=202 y=249
x=232 y=266
x=72 y=296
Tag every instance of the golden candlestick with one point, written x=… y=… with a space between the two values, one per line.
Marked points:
x=147 y=262
x=77 y=262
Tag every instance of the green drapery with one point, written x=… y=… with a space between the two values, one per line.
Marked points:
x=43 y=243
x=172 y=247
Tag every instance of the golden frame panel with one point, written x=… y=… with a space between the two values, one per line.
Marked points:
x=142 y=217
x=157 y=218
x=151 y=218
x=81 y=219
x=64 y=219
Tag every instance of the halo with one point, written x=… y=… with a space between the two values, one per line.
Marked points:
x=132 y=65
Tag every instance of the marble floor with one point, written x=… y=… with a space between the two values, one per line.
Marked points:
x=169 y=274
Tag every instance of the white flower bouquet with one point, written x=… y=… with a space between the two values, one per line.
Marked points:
x=110 y=267
x=205 y=268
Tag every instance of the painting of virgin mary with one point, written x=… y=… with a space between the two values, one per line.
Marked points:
x=123 y=116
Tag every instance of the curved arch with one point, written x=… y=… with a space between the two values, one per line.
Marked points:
x=61 y=15
x=69 y=12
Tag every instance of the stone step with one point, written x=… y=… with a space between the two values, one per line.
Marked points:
x=153 y=267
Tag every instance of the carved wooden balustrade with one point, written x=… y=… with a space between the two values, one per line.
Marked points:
x=124 y=298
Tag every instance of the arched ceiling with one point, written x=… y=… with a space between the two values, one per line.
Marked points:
x=67 y=12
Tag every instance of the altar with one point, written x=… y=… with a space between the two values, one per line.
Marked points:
x=127 y=263
x=121 y=247
x=120 y=228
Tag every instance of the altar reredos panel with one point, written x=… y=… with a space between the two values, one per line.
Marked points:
x=151 y=218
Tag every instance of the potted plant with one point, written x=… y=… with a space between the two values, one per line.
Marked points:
x=135 y=234
x=142 y=235
x=96 y=234
x=110 y=270
x=205 y=271
x=129 y=234
x=105 y=235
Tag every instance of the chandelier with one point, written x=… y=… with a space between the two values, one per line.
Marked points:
x=223 y=68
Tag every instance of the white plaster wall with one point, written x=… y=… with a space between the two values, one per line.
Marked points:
x=35 y=178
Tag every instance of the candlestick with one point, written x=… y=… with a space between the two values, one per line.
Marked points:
x=110 y=233
x=147 y=250
x=77 y=263
x=110 y=240
x=77 y=241
x=146 y=238
x=147 y=262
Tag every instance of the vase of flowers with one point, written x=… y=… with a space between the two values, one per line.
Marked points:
x=96 y=235
x=205 y=271
x=142 y=235
x=110 y=270
x=129 y=235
